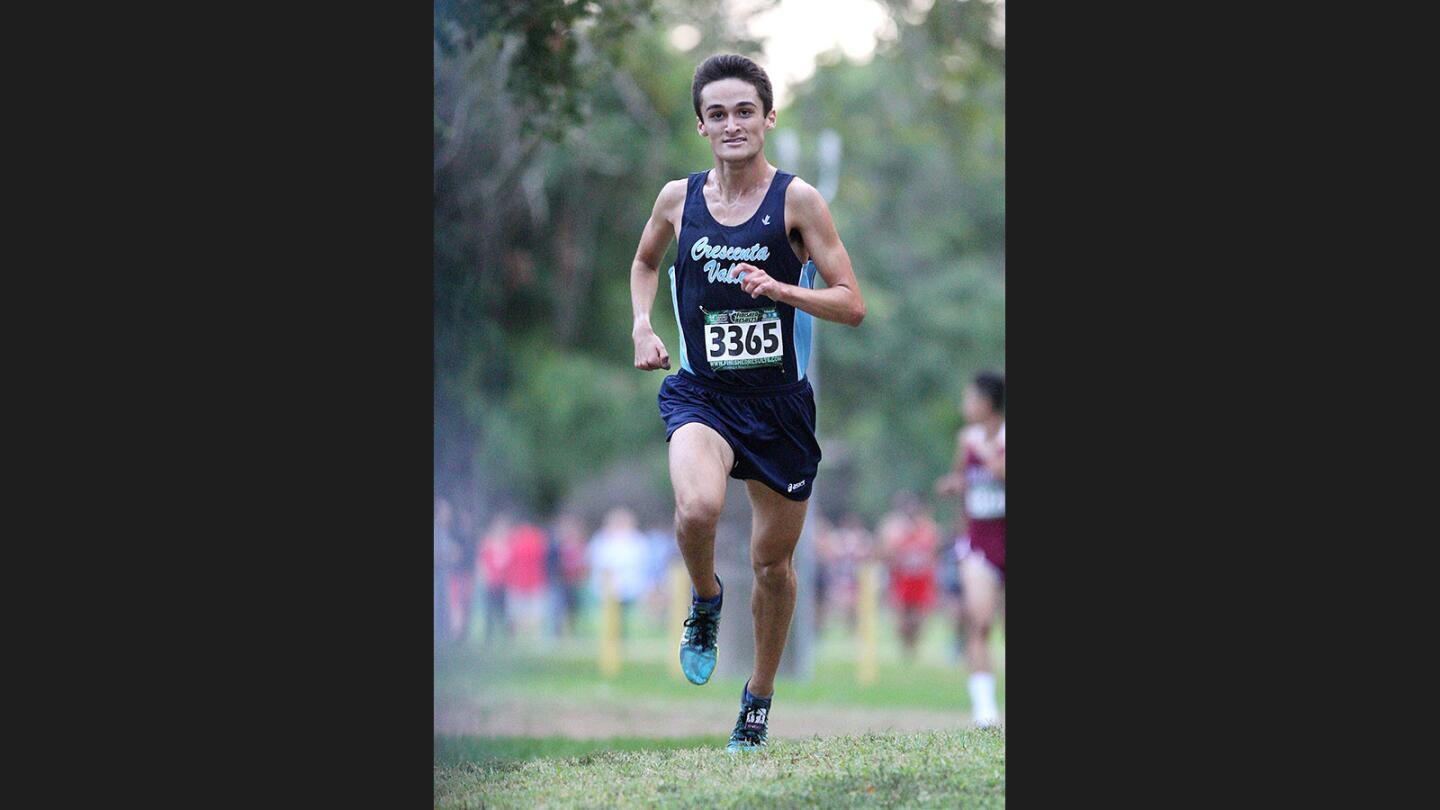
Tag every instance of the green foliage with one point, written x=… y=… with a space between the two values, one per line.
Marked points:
x=545 y=39
x=579 y=393
x=921 y=208
x=557 y=123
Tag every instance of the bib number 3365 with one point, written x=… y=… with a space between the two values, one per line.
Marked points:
x=743 y=338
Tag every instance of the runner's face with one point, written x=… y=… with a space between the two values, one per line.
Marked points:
x=732 y=117
x=974 y=405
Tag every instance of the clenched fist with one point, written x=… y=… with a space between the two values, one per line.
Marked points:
x=650 y=352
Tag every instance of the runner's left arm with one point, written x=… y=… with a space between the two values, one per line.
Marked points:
x=840 y=301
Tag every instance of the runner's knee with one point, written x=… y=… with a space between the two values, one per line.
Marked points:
x=696 y=512
x=773 y=574
x=979 y=618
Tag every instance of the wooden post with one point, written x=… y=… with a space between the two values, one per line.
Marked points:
x=679 y=610
x=609 y=626
x=867 y=671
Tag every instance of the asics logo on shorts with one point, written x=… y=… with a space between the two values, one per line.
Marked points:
x=794 y=486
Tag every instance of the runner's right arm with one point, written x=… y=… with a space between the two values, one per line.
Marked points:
x=650 y=351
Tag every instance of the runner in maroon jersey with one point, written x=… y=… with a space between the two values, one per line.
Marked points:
x=979 y=477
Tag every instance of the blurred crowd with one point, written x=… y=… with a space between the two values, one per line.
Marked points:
x=918 y=570
x=517 y=575
x=524 y=577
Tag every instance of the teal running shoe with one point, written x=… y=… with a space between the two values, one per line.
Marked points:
x=753 y=723
x=699 y=647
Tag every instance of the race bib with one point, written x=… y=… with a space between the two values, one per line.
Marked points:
x=743 y=338
x=985 y=501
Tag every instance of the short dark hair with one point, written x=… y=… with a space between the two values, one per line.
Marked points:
x=732 y=66
x=992 y=385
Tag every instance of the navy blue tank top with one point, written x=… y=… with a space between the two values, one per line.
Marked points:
x=726 y=337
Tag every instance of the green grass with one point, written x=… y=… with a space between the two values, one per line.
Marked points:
x=958 y=767
x=470 y=675
x=454 y=751
x=934 y=769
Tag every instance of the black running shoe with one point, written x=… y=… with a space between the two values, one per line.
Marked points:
x=753 y=723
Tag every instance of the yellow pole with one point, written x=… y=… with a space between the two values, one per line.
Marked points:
x=868 y=671
x=609 y=626
x=679 y=607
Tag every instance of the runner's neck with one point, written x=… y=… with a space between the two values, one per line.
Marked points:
x=732 y=182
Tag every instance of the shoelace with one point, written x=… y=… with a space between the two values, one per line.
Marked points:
x=701 y=629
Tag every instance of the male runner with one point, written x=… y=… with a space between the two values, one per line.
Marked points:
x=979 y=476
x=751 y=238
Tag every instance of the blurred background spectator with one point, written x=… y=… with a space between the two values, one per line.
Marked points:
x=567 y=569
x=493 y=560
x=447 y=553
x=660 y=549
x=525 y=579
x=461 y=584
x=824 y=545
x=910 y=539
x=951 y=605
x=850 y=545
x=619 y=551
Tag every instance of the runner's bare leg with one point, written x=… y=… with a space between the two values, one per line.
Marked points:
x=775 y=531
x=700 y=462
x=981 y=585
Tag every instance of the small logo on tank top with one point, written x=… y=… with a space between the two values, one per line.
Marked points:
x=765 y=220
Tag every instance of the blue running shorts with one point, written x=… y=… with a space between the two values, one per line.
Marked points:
x=771 y=429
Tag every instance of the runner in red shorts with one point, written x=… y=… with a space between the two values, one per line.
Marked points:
x=979 y=477
x=910 y=538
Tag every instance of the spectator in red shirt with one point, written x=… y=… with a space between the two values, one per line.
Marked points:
x=525 y=578
x=910 y=538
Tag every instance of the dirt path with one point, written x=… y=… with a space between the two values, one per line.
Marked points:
x=593 y=720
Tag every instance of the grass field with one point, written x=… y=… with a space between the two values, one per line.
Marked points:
x=533 y=723
x=526 y=669
x=935 y=769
